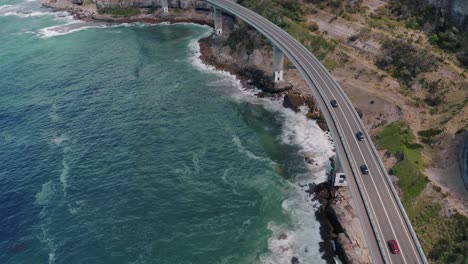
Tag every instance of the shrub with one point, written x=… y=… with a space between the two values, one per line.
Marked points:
x=312 y=26
x=405 y=61
x=434 y=39
x=118 y=11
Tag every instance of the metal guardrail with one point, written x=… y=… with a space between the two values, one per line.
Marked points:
x=463 y=161
x=347 y=154
x=374 y=150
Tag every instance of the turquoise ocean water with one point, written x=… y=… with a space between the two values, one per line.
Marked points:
x=118 y=146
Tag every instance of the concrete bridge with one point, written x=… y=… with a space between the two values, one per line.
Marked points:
x=381 y=213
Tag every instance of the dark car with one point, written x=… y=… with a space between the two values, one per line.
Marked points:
x=334 y=103
x=360 y=136
x=364 y=169
x=394 y=248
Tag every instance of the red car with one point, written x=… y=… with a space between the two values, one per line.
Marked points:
x=394 y=246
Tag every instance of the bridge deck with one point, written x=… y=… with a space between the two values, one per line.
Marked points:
x=380 y=211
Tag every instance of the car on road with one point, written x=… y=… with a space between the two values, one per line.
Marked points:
x=364 y=169
x=360 y=136
x=394 y=248
x=334 y=103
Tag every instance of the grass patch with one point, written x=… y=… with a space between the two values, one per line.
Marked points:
x=412 y=180
x=398 y=139
x=443 y=238
x=329 y=63
x=118 y=11
x=317 y=44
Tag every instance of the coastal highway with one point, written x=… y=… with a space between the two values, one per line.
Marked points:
x=380 y=211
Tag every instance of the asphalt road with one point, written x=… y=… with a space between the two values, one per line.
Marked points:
x=380 y=211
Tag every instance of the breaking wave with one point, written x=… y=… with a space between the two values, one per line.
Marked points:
x=301 y=237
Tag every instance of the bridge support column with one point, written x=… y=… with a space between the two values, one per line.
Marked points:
x=218 y=22
x=165 y=7
x=339 y=178
x=278 y=61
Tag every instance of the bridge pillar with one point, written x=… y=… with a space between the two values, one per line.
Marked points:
x=278 y=61
x=218 y=19
x=339 y=178
x=165 y=7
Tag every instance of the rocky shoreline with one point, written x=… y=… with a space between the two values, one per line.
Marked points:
x=340 y=229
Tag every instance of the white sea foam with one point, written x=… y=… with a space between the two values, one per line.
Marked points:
x=65 y=29
x=5 y=7
x=247 y=152
x=25 y=12
x=73 y=209
x=64 y=176
x=49 y=243
x=59 y=139
x=78 y=25
x=300 y=238
x=45 y=195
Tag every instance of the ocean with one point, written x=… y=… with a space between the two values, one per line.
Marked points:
x=117 y=145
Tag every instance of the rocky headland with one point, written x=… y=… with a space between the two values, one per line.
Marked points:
x=250 y=61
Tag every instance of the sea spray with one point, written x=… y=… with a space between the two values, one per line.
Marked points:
x=154 y=165
x=299 y=239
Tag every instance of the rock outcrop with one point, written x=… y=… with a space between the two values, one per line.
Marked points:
x=182 y=4
x=447 y=12
x=249 y=58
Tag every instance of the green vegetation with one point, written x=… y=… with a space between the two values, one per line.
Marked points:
x=312 y=26
x=240 y=36
x=341 y=8
x=289 y=15
x=329 y=63
x=317 y=44
x=275 y=11
x=118 y=11
x=444 y=238
x=427 y=135
x=399 y=141
x=435 y=91
x=441 y=33
x=405 y=61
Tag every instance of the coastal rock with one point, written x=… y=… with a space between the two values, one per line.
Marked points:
x=350 y=242
x=293 y=100
x=282 y=86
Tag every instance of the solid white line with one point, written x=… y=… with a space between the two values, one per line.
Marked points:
x=376 y=165
x=354 y=161
x=371 y=154
x=359 y=148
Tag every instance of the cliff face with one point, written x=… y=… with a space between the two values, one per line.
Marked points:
x=183 y=4
x=447 y=12
x=456 y=10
